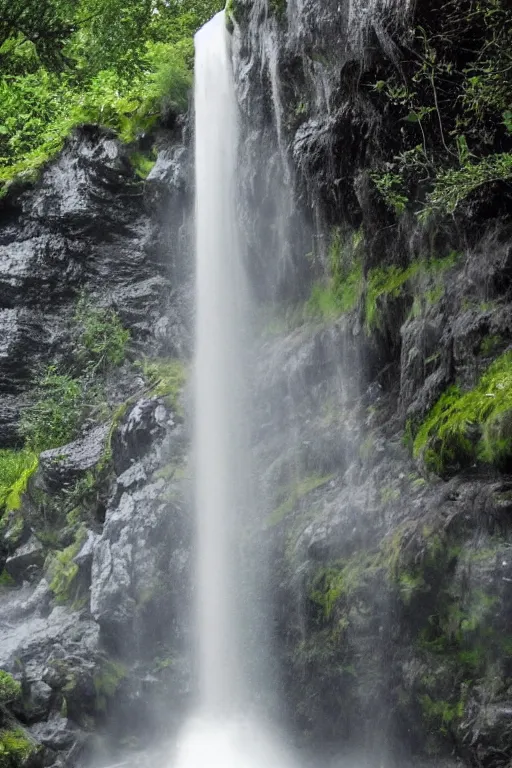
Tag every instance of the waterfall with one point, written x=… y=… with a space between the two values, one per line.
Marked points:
x=224 y=731
x=221 y=301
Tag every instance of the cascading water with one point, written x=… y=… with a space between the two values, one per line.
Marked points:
x=222 y=733
x=220 y=303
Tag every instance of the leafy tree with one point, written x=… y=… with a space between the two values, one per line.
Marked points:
x=117 y=63
x=45 y=24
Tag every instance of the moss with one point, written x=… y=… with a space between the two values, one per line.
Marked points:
x=10 y=688
x=388 y=282
x=12 y=525
x=166 y=377
x=388 y=495
x=107 y=681
x=341 y=291
x=15 y=748
x=6 y=579
x=367 y=448
x=62 y=570
x=490 y=344
x=466 y=426
x=143 y=163
x=441 y=715
x=340 y=581
x=294 y=495
x=173 y=471
x=16 y=469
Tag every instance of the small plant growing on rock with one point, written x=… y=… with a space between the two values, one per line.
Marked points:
x=10 y=688
x=102 y=338
x=16 y=468
x=15 y=748
x=53 y=418
x=466 y=426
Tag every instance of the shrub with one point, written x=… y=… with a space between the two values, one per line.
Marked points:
x=466 y=426
x=15 y=748
x=10 y=688
x=166 y=377
x=102 y=338
x=16 y=467
x=53 y=418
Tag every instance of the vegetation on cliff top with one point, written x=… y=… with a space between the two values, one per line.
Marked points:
x=452 y=98
x=112 y=62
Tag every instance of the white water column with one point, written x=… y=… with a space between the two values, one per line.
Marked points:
x=221 y=303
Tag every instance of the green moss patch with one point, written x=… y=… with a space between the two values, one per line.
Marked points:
x=10 y=688
x=107 y=681
x=166 y=377
x=62 y=570
x=295 y=493
x=16 y=468
x=463 y=427
x=15 y=748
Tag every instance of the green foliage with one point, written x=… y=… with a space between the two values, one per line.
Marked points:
x=294 y=494
x=328 y=587
x=389 y=282
x=62 y=570
x=440 y=714
x=385 y=282
x=32 y=29
x=16 y=468
x=342 y=289
x=106 y=682
x=452 y=102
x=10 y=688
x=6 y=580
x=142 y=164
x=61 y=401
x=166 y=377
x=341 y=582
x=391 y=188
x=102 y=338
x=277 y=8
x=53 y=418
x=126 y=63
x=455 y=184
x=490 y=344
x=15 y=748
x=465 y=426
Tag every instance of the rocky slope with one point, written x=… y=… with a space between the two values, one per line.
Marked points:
x=390 y=536
x=95 y=559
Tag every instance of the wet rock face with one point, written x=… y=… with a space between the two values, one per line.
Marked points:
x=96 y=633
x=95 y=562
x=85 y=227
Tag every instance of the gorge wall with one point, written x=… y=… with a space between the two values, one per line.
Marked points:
x=381 y=403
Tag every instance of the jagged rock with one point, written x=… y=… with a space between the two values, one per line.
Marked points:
x=83 y=228
x=145 y=423
x=36 y=701
x=134 y=475
x=85 y=554
x=26 y=560
x=61 y=466
x=57 y=733
x=121 y=570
